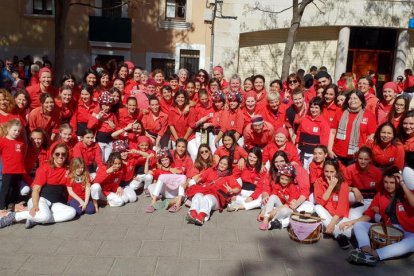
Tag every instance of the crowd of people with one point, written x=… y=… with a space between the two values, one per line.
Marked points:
x=343 y=152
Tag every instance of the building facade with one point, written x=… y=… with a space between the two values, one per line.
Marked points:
x=166 y=34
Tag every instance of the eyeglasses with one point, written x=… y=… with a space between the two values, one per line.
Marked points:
x=201 y=76
x=60 y=154
x=204 y=151
x=293 y=81
x=8 y=63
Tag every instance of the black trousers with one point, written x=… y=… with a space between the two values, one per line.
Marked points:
x=10 y=190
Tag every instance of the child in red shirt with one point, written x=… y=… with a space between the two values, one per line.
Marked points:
x=79 y=188
x=230 y=148
x=12 y=150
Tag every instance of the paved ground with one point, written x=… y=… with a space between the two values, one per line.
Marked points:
x=127 y=241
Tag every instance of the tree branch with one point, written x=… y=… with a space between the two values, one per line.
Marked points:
x=318 y=8
x=80 y=3
x=258 y=8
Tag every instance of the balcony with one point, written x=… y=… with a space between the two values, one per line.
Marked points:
x=110 y=30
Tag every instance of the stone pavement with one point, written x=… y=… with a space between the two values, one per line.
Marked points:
x=127 y=241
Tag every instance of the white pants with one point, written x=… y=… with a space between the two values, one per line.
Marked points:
x=408 y=175
x=49 y=213
x=274 y=201
x=141 y=180
x=307 y=160
x=24 y=188
x=114 y=200
x=406 y=245
x=323 y=213
x=241 y=199
x=204 y=203
x=159 y=189
x=106 y=149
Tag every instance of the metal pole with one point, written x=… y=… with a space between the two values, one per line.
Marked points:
x=212 y=37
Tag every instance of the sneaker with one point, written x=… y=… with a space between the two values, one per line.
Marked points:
x=7 y=220
x=191 y=216
x=275 y=224
x=343 y=241
x=199 y=220
x=30 y=224
x=361 y=257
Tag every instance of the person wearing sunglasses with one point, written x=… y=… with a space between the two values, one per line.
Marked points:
x=293 y=82
x=49 y=197
x=203 y=77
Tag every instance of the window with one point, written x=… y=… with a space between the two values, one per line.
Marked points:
x=175 y=9
x=112 y=8
x=190 y=60
x=165 y=64
x=44 y=7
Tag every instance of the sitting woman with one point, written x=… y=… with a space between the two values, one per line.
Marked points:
x=216 y=187
x=283 y=192
x=230 y=148
x=395 y=204
x=331 y=196
x=49 y=197
x=251 y=178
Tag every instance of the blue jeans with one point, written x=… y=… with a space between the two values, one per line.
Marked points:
x=90 y=209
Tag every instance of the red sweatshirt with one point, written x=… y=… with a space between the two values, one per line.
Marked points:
x=337 y=203
x=109 y=181
x=13 y=156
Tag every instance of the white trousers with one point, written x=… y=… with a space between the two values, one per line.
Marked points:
x=49 y=213
x=408 y=175
x=141 y=180
x=307 y=160
x=241 y=199
x=323 y=213
x=24 y=188
x=406 y=245
x=204 y=203
x=114 y=200
x=160 y=188
x=106 y=149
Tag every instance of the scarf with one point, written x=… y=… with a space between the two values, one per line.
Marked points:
x=354 y=135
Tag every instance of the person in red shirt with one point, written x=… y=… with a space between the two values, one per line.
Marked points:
x=46 y=116
x=155 y=123
x=218 y=73
x=364 y=85
x=83 y=112
x=282 y=192
x=251 y=177
x=399 y=109
x=314 y=130
x=296 y=111
x=35 y=157
x=231 y=119
x=179 y=120
x=248 y=85
x=203 y=161
x=364 y=180
x=49 y=198
x=259 y=88
x=107 y=183
x=183 y=77
x=249 y=108
x=330 y=93
x=193 y=93
x=212 y=193
x=351 y=128
x=389 y=92
x=331 y=196
x=203 y=77
x=89 y=152
x=7 y=107
x=12 y=151
x=104 y=122
x=406 y=133
x=395 y=204
x=129 y=114
x=281 y=142
x=131 y=133
x=320 y=153
x=387 y=150
x=44 y=86
x=79 y=188
x=65 y=137
x=173 y=83
x=274 y=112
x=22 y=100
x=166 y=101
x=230 y=148
x=65 y=103
x=181 y=158
x=258 y=133
x=219 y=104
x=135 y=84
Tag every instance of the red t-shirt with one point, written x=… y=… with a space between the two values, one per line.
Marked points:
x=51 y=176
x=337 y=203
x=77 y=188
x=12 y=154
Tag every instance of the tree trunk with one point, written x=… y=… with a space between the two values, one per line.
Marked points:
x=290 y=42
x=61 y=13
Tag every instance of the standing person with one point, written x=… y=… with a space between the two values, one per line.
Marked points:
x=395 y=204
x=406 y=133
x=84 y=110
x=330 y=93
x=260 y=89
x=399 y=109
x=46 y=116
x=44 y=86
x=13 y=151
x=79 y=188
x=389 y=92
x=273 y=112
x=294 y=83
x=65 y=104
x=258 y=133
x=180 y=121
x=297 y=111
x=351 y=128
x=203 y=77
x=218 y=73
x=155 y=123
x=183 y=77
x=248 y=85
x=365 y=85
x=49 y=194
x=8 y=107
x=249 y=109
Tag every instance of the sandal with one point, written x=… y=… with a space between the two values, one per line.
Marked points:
x=191 y=216
x=150 y=209
x=174 y=209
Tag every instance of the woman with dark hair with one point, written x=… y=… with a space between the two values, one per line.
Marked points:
x=83 y=112
x=180 y=121
x=135 y=83
x=49 y=197
x=248 y=84
x=251 y=178
x=166 y=99
x=365 y=85
x=260 y=89
x=214 y=86
x=90 y=78
x=399 y=109
x=192 y=92
x=313 y=130
x=395 y=204
x=230 y=148
x=103 y=82
x=351 y=128
x=70 y=80
x=65 y=103
x=121 y=72
x=155 y=123
x=117 y=93
x=276 y=86
x=293 y=82
x=389 y=92
x=387 y=150
x=330 y=93
x=22 y=100
x=406 y=134
x=331 y=196
x=203 y=160
x=45 y=116
x=213 y=191
x=203 y=77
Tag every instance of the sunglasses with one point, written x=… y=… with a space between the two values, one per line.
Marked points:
x=60 y=154
x=204 y=151
x=9 y=63
x=293 y=81
x=201 y=76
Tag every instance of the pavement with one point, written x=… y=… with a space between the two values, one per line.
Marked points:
x=127 y=241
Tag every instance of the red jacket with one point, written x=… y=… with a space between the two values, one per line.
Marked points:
x=109 y=181
x=337 y=203
x=124 y=118
x=330 y=111
x=157 y=126
x=181 y=122
x=312 y=132
x=368 y=180
x=252 y=139
x=289 y=148
x=102 y=125
x=232 y=120
x=249 y=175
x=82 y=115
x=391 y=155
x=90 y=155
x=404 y=212
x=277 y=119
